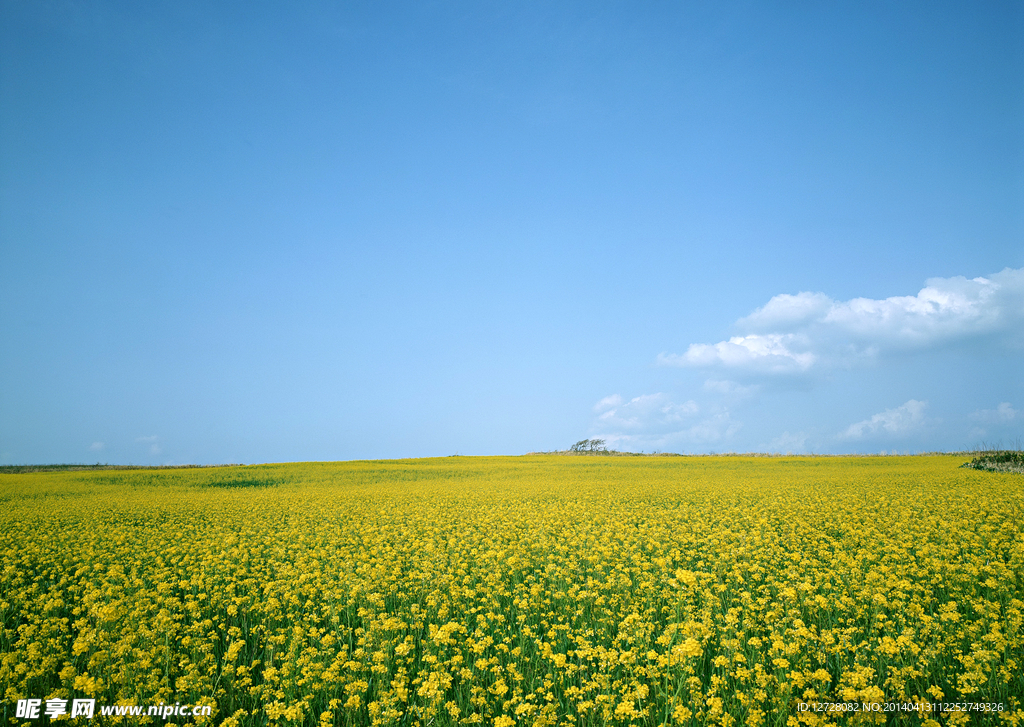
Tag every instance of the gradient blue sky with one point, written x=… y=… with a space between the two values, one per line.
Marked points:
x=251 y=232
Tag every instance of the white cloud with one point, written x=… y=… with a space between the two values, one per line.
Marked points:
x=946 y=309
x=795 y=333
x=714 y=429
x=994 y=422
x=788 y=311
x=772 y=353
x=654 y=422
x=898 y=421
x=96 y=446
x=1001 y=414
x=646 y=412
x=609 y=402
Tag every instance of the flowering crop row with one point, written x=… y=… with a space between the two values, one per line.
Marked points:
x=538 y=590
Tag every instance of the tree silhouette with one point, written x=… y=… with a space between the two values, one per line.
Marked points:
x=589 y=445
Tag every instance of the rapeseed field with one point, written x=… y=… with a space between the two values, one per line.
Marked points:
x=537 y=590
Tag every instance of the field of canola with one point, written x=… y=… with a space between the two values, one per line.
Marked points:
x=537 y=590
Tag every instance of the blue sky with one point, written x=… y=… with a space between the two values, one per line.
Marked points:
x=251 y=232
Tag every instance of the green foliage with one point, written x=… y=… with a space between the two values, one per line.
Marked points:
x=1004 y=461
x=244 y=482
x=589 y=446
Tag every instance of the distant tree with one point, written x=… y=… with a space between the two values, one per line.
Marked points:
x=589 y=445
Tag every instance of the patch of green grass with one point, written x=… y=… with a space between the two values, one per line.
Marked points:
x=238 y=482
x=17 y=469
x=1004 y=461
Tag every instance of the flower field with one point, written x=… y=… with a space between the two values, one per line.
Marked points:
x=537 y=590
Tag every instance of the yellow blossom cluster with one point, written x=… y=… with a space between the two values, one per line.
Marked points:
x=537 y=590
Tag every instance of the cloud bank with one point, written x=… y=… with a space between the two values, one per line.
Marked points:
x=1002 y=413
x=797 y=368
x=795 y=334
x=647 y=413
x=1003 y=421
x=772 y=353
x=655 y=422
x=901 y=420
